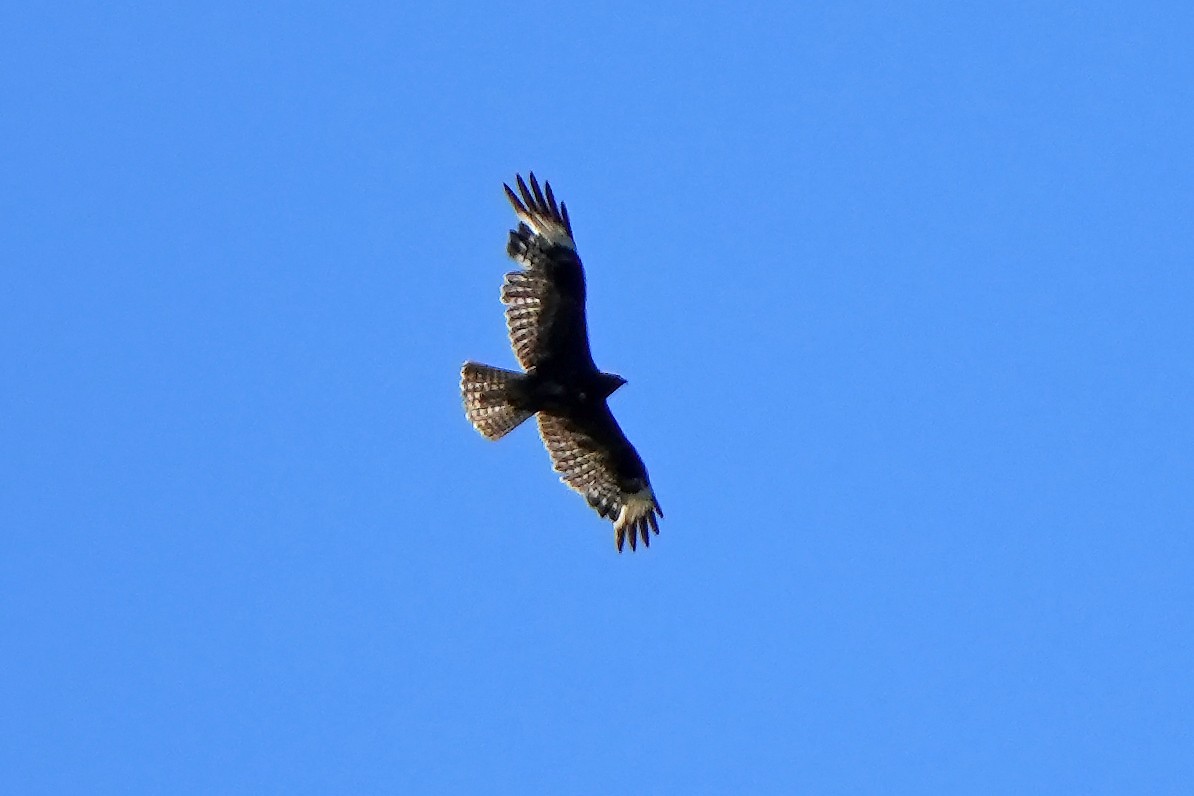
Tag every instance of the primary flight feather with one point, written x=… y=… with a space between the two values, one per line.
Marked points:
x=545 y=315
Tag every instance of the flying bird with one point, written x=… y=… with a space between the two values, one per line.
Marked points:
x=545 y=316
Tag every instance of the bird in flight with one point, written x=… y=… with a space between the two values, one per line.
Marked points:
x=545 y=315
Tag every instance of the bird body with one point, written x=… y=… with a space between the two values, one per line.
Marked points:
x=545 y=316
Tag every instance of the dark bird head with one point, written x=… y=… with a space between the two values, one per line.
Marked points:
x=610 y=382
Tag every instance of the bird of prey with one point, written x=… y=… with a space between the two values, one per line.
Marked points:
x=545 y=315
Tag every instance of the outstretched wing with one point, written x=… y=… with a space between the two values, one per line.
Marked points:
x=545 y=302
x=593 y=456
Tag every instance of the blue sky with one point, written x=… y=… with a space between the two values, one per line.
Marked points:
x=903 y=296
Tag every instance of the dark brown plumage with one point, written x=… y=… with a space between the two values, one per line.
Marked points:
x=545 y=316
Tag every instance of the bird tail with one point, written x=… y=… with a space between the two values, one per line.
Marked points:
x=491 y=399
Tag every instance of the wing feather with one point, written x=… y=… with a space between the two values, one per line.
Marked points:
x=545 y=302
x=593 y=457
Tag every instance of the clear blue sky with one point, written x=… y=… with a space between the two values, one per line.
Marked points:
x=904 y=300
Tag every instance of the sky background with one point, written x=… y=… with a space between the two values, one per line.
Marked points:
x=903 y=295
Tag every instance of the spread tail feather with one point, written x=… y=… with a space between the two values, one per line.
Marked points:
x=490 y=399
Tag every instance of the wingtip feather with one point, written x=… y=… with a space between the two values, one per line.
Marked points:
x=637 y=519
x=519 y=209
x=536 y=206
x=539 y=198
